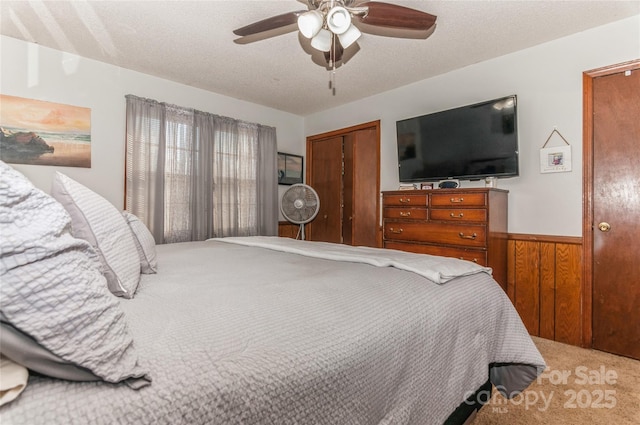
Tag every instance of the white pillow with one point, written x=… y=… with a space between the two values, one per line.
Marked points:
x=97 y=221
x=145 y=244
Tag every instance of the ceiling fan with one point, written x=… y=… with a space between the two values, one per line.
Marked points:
x=334 y=25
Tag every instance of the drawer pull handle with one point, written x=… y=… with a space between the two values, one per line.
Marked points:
x=396 y=231
x=405 y=214
x=457 y=200
x=457 y=216
x=463 y=236
x=405 y=200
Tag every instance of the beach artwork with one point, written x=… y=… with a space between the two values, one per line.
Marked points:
x=44 y=133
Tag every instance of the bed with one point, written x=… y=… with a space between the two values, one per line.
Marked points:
x=254 y=330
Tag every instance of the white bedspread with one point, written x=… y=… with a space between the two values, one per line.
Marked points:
x=236 y=334
x=437 y=269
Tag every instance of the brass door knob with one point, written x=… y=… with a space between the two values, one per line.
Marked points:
x=604 y=226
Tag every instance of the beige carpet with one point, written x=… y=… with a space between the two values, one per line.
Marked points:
x=580 y=386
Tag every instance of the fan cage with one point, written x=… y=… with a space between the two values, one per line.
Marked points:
x=300 y=205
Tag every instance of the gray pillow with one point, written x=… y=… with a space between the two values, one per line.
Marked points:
x=97 y=221
x=52 y=288
x=145 y=244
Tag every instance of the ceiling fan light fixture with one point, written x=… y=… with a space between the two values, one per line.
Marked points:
x=310 y=23
x=350 y=36
x=322 y=40
x=328 y=24
x=338 y=20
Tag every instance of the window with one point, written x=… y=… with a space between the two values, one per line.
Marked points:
x=192 y=175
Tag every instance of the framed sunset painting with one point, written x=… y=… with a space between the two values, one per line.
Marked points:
x=37 y=132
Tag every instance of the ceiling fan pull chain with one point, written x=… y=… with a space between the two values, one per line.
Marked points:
x=332 y=79
x=332 y=64
x=332 y=83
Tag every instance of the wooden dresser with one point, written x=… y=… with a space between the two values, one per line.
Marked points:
x=464 y=223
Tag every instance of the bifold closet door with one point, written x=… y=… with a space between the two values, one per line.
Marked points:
x=360 y=188
x=326 y=179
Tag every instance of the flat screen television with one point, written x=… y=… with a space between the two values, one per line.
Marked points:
x=466 y=143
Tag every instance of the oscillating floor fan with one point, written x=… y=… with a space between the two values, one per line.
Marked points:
x=300 y=205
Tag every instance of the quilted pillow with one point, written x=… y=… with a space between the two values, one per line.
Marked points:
x=97 y=221
x=145 y=244
x=52 y=288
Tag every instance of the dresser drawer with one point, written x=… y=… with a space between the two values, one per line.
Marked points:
x=442 y=233
x=462 y=214
x=457 y=200
x=406 y=213
x=402 y=200
x=474 y=255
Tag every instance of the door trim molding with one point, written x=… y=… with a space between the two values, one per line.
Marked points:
x=587 y=190
x=343 y=131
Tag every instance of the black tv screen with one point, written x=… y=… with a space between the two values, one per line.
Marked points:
x=467 y=143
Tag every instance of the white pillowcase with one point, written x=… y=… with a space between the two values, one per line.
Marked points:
x=145 y=243
x=97 y=221
x=14 y=379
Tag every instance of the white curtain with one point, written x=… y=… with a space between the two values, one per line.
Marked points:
x=193 y=175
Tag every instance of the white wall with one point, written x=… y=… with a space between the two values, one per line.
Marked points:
x=31 y=71
x=548 y=82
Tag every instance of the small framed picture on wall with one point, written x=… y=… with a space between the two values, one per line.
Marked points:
x=290 y=168
x=555 y=160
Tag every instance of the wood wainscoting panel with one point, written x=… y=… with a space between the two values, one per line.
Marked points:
x=547 y=290
x=545 y=285
x=568 y=285
x=527 y=283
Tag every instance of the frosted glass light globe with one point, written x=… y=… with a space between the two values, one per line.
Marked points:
x=309 y=23
x=338 y=20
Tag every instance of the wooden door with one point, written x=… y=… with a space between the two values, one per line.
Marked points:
x=326 y=179
x=361 y=188
x=616 y=212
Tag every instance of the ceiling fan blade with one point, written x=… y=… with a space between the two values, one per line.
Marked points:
x=271 y=23
x=394 y=16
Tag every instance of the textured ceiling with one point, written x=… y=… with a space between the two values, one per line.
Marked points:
x=191 y=42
